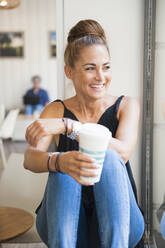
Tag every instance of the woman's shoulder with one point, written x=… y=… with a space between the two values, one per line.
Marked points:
x=128 y=100
x=128 y=104
x=124 y=100
x=53 y=110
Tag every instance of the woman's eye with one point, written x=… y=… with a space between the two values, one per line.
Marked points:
x=89 y=68
x=107 y=67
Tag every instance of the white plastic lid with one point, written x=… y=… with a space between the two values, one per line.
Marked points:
x=95 y=130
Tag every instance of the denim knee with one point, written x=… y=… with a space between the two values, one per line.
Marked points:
x=113 y=154
x=112 y=157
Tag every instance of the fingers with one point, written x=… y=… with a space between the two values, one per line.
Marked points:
x=35 y=132
x=82 y=172
x=83 y=157
x=83 y=165
x=81 y=161
x=78 y=165
x=80 y=175
x=81 y=181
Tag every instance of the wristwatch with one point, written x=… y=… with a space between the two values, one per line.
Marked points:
x=76 y=126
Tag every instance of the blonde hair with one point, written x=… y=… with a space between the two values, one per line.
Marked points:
x=84 y=33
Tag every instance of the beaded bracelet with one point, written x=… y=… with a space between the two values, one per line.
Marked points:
x=57 y=164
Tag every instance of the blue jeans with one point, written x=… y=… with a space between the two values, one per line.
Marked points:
x=162 y=225
x=61 y=222
x=29 y=110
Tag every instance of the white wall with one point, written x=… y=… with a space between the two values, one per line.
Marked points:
x=35 y=18
x=123 y=22
x=159 y=118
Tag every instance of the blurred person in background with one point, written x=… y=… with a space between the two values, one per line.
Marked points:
x=35 y=98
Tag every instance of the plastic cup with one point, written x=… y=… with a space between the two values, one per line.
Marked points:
x=93 y=141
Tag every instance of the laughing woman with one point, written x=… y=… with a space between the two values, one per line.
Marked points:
x=74 y=214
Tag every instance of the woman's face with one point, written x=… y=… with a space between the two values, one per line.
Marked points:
x=91 y=74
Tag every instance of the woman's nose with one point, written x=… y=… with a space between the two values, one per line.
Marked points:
x=99 y=75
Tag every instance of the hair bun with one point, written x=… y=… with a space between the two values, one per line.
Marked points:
x=86 y=28
x=84 y=33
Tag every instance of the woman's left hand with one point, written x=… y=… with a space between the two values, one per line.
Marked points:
x=41 y=128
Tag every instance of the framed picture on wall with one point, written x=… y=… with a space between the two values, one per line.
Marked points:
x=52 y=43
x=11 y=44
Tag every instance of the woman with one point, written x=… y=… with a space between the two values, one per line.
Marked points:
x=74 y=214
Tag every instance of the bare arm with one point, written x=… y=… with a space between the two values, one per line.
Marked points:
x=126 y=134
x=35 y=159
x=36 y=155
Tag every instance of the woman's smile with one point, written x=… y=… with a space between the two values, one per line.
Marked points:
x=97 y=87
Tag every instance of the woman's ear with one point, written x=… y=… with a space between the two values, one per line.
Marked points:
x=68 y=71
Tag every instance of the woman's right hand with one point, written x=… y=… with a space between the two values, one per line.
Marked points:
x=73 y=163
x=43 y=127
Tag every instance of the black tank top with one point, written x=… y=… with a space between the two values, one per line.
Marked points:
x=109 y=120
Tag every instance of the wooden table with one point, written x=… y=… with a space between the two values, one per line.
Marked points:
x=13 y=222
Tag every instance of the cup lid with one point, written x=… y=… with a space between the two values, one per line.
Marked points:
x=94 y=129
